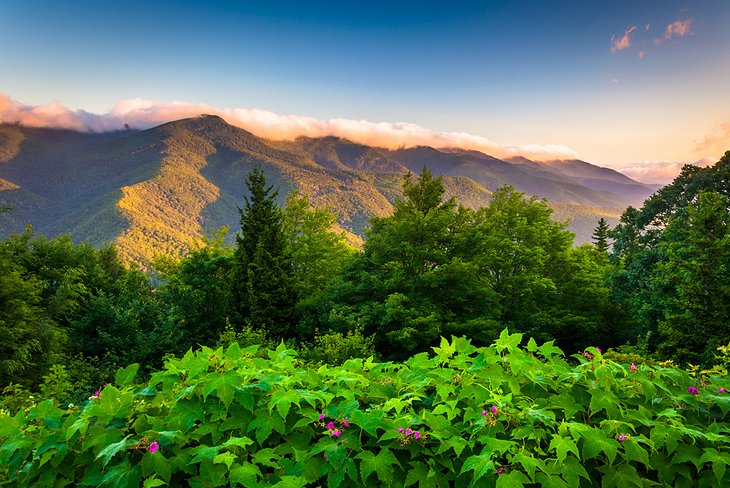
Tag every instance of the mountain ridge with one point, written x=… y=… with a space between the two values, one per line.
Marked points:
x=161 y=189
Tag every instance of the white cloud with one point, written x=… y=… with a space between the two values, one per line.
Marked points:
x=661 y=172
x=140 y=113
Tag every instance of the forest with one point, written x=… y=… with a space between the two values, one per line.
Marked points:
x=458 y=347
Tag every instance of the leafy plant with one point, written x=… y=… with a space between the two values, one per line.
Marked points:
x=502 y=415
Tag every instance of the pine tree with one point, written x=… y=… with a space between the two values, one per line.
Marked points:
x=600 y=236
x=263 y=282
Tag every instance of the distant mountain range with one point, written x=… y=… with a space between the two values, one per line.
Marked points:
x=159 y=190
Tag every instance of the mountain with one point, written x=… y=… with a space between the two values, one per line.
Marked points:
x=160 y=190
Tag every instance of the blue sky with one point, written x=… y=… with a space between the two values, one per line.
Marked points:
x=620 y=83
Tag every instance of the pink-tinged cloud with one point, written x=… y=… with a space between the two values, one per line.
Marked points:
x=142 y=114
x=642 y=54
x=623 y=42
x=661 y=172
x=678 y=28
x=717 y=142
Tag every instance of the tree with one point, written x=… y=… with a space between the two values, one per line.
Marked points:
x=669 y=258
x=600 y=236
x=262 y=282
x=30 y=342
x=396 y=288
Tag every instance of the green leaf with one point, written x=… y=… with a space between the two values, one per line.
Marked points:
x=623 y=475
x=282 y=400
x=507 y=341
x=109 y=451
x=512 y=479
x=242 y=442
x=291 y=482
x=719 y=460
x=382 y=464
x=155 y=463
x=480 y=464
x=266 y=457
x=125 y=376
x=246 y=474
x=152 y=482
x=529 y=464
x=596 y=442
x=226 y=458
x=562 y=446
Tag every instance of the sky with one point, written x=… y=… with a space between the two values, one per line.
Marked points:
x=636 y=85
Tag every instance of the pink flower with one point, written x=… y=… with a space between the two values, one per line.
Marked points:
x=336 y=432
x=154 y=447
x=416 y=435
x=321 y=416
x=721 y=390
x=693 y=390
x=484 y=413
x=622 y=437
x=400 y=430
x=331 y=426
x=408 y=432
x=345 y=422
x=500 y=471
x=494 y=409
x=633 y=367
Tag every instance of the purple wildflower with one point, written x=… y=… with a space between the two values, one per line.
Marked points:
x=622 y=437
x=494 y=409
x=408 y=432
x=154 y=447
x=331 y=426
x=721 y=390
x=336 y=433
x=484 y=413
x=345 y=422
x=500 y=471
x=416 y=435
x=321 y=416
x=400 y=430
x=693 y=390
x=633 y=367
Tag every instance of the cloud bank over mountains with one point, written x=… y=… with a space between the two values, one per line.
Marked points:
x=139 y=113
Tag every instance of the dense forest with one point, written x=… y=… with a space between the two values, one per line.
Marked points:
x=655 y=288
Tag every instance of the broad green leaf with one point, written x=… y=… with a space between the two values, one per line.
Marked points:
x=152 y=482
x=480 y=465
x=226 y=458
x=512 y=479
x=562 y=446
x=125 y=376
x=246 y=474
x=112 y=449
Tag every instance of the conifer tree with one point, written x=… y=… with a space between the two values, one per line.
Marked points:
x=263 y=282
x=600 y=236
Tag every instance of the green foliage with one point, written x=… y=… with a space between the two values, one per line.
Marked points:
x=673 y=257
x=601 y=235
x=502 y=415
x=263 y=269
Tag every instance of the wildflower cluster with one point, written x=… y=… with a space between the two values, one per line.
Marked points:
x=408 y=435
x=490 y=416
x=333 y=429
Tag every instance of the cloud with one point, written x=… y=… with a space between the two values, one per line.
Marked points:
x=661 y=172
x=142 y=114
x=678 y=28
x=624 y=42
x=717 y=142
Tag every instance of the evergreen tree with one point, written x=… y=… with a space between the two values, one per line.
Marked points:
x=600 y=236
x=263 y=280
